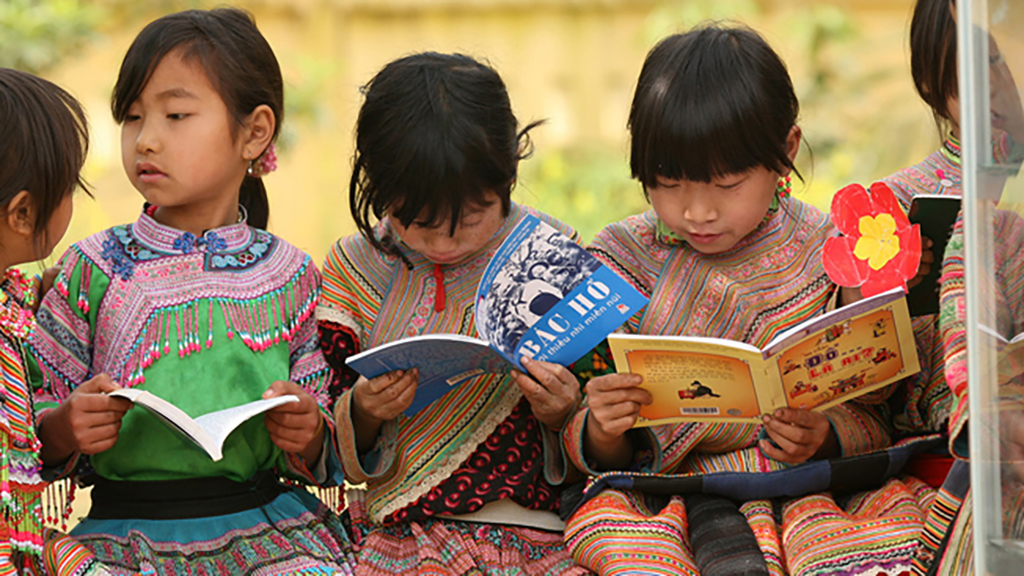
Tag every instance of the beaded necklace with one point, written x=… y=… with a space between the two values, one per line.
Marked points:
x=951 y=149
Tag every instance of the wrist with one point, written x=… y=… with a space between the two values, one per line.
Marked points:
x=606 y=451
x=558 y=424
x=56 y=437
x=311 y=455
x=830 y=448
x=365 y=428
x=361 y=418
x=598 y=435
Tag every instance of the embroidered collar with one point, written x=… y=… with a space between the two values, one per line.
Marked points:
x=669 y=238
x=165 y=239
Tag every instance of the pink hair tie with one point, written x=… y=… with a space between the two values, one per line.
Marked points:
x=265 y=164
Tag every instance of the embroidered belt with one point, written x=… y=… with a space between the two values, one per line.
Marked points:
x=181 y=499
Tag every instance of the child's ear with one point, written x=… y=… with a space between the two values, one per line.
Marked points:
x=793 y=142
x=20 y=214
x=259 y=131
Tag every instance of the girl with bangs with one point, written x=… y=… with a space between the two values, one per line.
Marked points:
x=725 y=252
x=470 y=484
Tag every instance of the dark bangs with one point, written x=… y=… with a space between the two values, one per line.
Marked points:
x=711 y=102
x=225 y=42
x=435 y=134
x=157 y=40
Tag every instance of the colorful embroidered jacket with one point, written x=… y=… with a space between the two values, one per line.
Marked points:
x=21 y=486
x=1005 y=317
x=769 y=281
x=481 y=443
x=925 y=397
x=206 y=323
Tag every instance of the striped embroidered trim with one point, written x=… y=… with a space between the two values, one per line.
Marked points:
x=20 y=483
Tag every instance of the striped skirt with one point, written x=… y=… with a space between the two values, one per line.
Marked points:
x=294 y=535
x=450 y=548
x=65 y=556
x=869 y=534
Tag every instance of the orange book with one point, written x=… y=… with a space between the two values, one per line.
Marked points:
x=814 y=365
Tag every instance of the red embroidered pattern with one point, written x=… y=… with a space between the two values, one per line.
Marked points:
x=509 y=464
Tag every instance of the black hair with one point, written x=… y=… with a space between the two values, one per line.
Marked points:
x=435 y=133
x=44 y=144
x=710 y=102
x=238 y=61
x=933 y=56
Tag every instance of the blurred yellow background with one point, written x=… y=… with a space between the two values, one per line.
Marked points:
x=572 y=62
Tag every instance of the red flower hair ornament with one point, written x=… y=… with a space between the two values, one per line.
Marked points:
x=879 y=249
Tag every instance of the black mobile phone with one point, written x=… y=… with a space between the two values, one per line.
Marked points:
x=936 y=216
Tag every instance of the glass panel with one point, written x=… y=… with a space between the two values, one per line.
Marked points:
x=992 y=128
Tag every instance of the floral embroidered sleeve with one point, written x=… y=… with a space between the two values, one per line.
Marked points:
x=340 y=327
x=61 y=346
x=598 y=363
x=339 y=323
x=860 y=428
x=925 y=398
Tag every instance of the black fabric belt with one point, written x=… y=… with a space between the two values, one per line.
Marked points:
x=181 y=499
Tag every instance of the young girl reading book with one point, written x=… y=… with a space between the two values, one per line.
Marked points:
x=725 y=252
x=200 y=306
x=470 y=484
x=41 y=156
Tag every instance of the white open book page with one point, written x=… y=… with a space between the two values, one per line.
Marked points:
x=208 y=431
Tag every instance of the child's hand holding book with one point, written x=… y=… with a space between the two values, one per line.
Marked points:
x=379 y=400
x=295 y=427
x=87 y=422
x=798 y=435
x=614 y=401
x=551 y=389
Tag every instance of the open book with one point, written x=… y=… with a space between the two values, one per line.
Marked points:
x=814 y=365
x=542 y=296
x=208 y=431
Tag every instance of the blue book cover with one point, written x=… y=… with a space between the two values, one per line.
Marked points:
x=542 y=296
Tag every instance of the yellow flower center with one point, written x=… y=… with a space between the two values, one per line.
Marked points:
x=878 y=242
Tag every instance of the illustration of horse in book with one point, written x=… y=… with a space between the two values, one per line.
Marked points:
x=697 y=390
